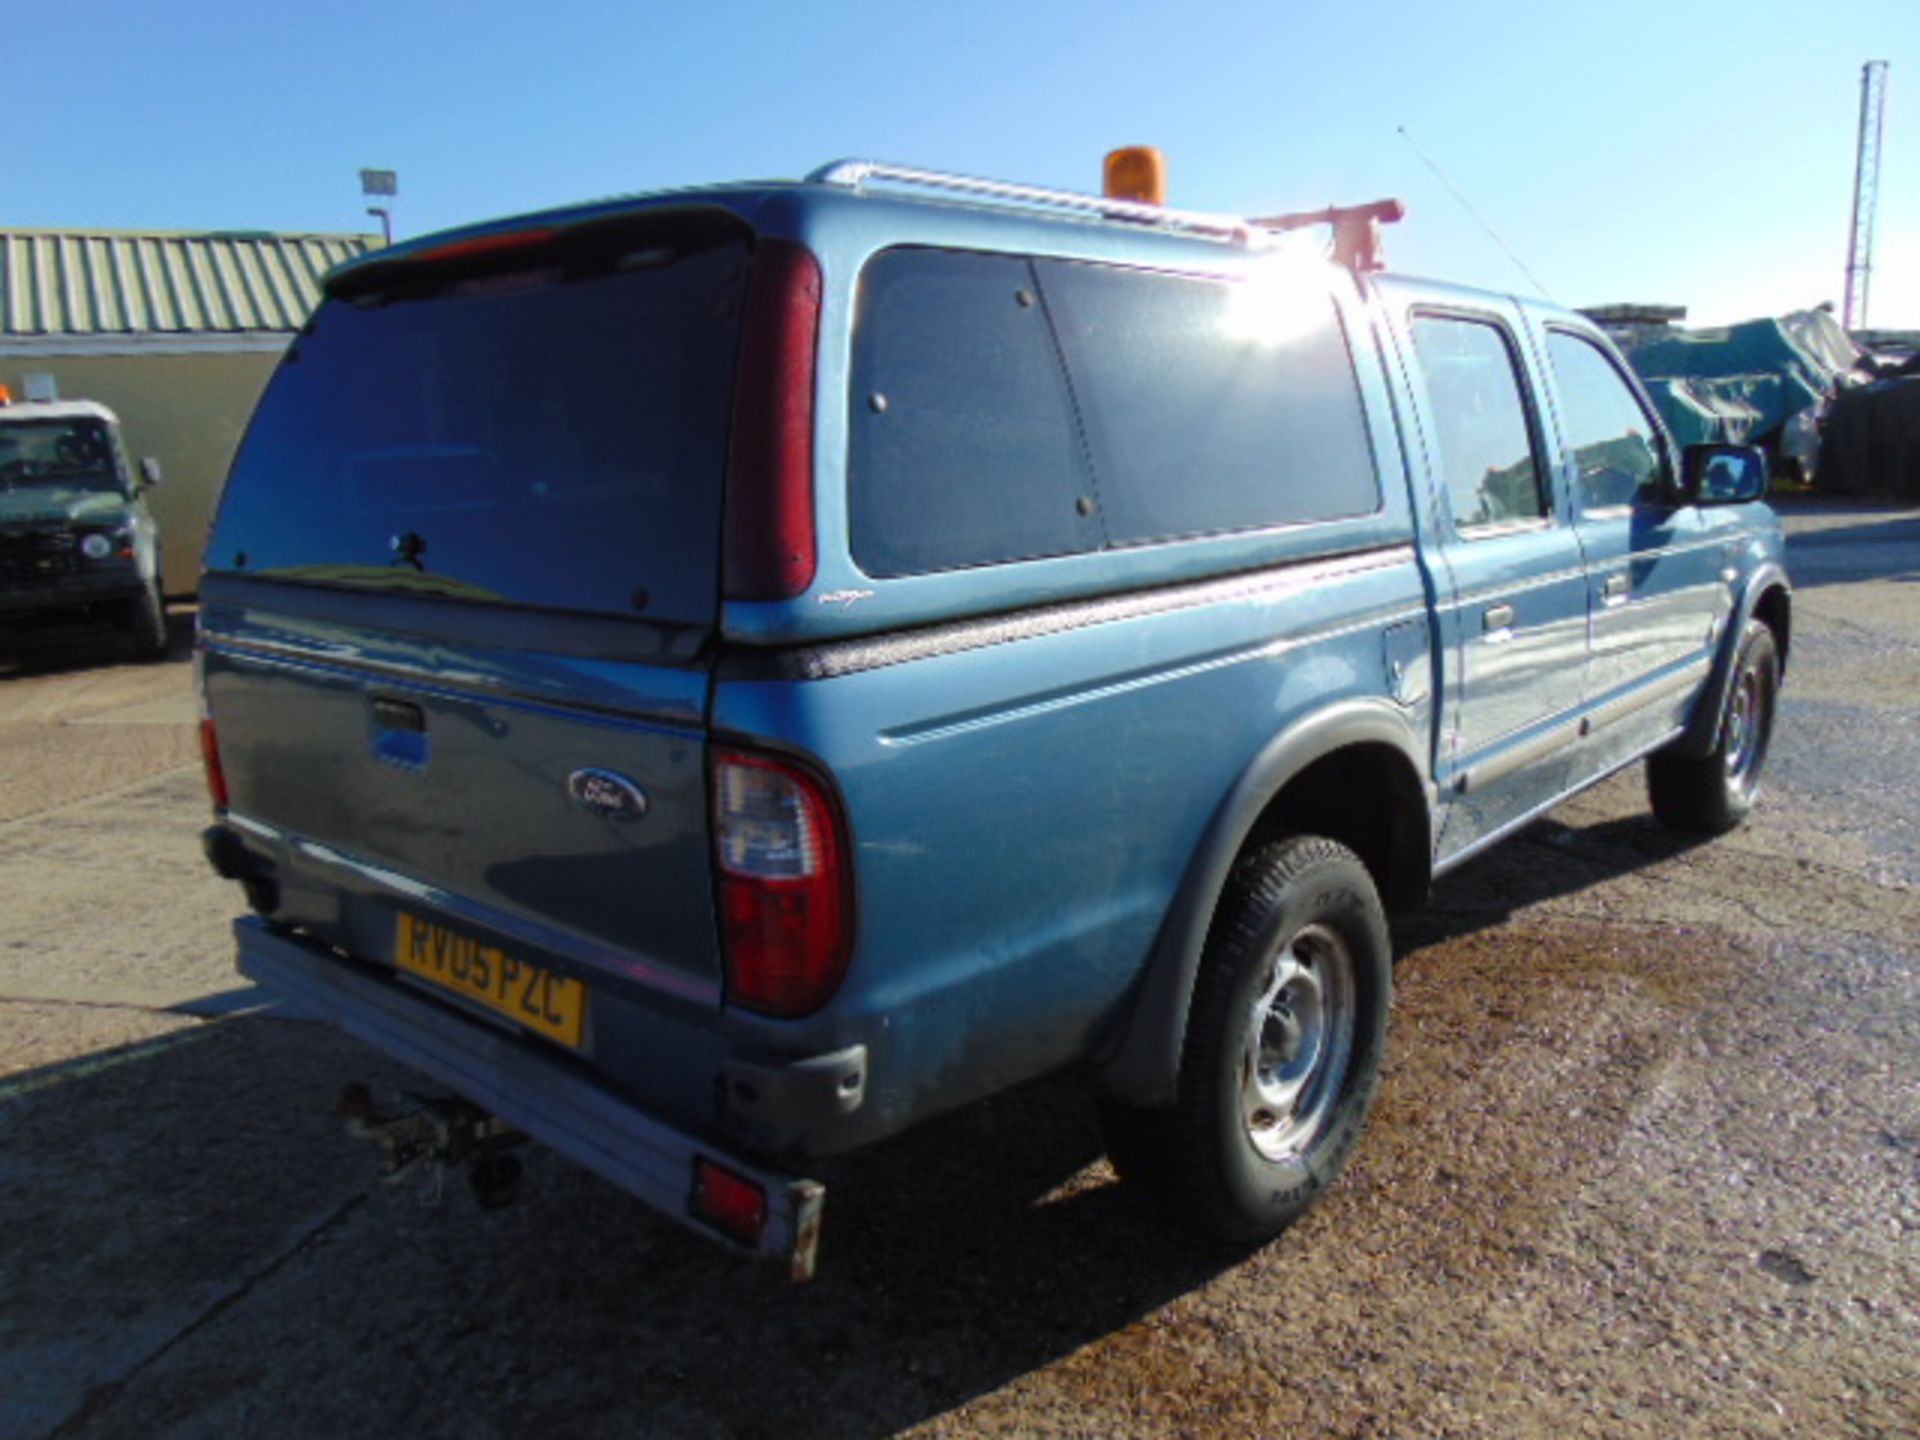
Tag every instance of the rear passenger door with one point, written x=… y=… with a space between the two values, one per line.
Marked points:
x=1514 y=625
x=1656 y=598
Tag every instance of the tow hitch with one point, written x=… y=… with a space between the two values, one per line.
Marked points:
x=438 y=1133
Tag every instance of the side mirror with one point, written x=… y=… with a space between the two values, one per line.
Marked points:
x=1722 y=474
x=150 y=469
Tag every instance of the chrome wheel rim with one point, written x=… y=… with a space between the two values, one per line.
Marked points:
x=1299 y=1039
x=1746 y=729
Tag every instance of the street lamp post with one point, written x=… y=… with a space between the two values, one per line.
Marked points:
x=381 y=182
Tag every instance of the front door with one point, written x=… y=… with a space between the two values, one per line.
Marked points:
x=1657 y=596
x=1514 y=626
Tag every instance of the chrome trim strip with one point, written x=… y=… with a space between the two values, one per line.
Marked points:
x=1518 y=757
x=1581 y=726
x=1494 y=837
x=1494 y=529
x=1520 y=585
x=829 y=659
x=961 y=722
x=274 y=652
x=1632 y=703
x=274 y=655
x=230 y=602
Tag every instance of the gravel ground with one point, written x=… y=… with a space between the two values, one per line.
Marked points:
x=1646 y=1161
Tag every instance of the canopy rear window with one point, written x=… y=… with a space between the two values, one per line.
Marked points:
x=1005 y=409
x=548 y=430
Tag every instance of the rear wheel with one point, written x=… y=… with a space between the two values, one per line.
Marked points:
x=1710 y=794
x=1283 y=1049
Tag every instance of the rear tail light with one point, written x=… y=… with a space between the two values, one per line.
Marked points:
x=210 y=755
x=769 y=514
x=732 y=1204
x=209 y=738
x=784 y=909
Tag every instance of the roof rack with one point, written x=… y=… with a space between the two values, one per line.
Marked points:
x=1356 y=230
x=857 y=174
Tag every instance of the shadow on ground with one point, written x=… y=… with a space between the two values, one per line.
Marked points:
x=194 y=1242
x=56 y=645
x=1884 y=545
x=145 y=1200
x=1547 y=860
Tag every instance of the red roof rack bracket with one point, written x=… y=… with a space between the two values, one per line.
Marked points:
x=1356 y=229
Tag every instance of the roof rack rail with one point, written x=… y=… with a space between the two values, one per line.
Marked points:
x=856 y=174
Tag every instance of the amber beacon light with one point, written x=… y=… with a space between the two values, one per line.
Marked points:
x=1136 y=172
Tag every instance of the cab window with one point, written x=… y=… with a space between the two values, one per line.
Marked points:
x=1485 y=443
x=1614 y=445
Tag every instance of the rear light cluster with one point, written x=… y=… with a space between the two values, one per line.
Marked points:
x=209 y=738
x=785 y=911
x=769 y=509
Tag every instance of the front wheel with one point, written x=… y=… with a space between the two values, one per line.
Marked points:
x=147 y=624
x=1710 y=794
x=1284 y=1044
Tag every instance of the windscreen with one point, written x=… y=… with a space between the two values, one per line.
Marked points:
x=548 y=431
x=58 y=454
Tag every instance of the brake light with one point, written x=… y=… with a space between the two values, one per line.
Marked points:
x=732 y=1204
x=784 y=909
x=483 y=245
x=210 y=756
x=769 y=522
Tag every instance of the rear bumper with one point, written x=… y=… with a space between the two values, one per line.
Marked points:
x=582 y=1120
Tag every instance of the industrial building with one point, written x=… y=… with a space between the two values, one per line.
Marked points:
x=176 y=331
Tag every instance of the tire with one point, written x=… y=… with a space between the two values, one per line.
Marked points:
x=1283 y=1049
x=147 y=624
x=1710 y=794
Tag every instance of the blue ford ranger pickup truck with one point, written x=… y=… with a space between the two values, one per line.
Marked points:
x=713 y=679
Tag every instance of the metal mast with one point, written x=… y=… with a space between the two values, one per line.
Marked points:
x=1866 y=191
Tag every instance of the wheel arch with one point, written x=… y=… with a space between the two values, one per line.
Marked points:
x=1775 y=606
x=1768 y=597
x=1304 y=781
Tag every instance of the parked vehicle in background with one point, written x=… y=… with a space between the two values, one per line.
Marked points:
x=177 y=331
x=76 y=536
x=717 y=678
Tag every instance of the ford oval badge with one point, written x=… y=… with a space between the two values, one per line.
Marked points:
x=611 y=795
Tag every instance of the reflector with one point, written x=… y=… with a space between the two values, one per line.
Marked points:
x=732 y=1204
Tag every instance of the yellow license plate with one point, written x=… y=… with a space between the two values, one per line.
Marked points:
x=549 y=1004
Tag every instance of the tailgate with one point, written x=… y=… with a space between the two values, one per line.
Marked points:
x=399 y=755
x=458 y=598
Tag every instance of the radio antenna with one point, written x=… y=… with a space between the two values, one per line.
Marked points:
x=1479 y=219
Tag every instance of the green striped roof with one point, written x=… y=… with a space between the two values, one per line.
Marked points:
x=120 y=282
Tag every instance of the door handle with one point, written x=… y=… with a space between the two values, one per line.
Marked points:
x=391 y=714
x=1497 y=617
x=1616 y=587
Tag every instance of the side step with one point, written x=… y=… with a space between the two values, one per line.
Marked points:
x=651 y=1160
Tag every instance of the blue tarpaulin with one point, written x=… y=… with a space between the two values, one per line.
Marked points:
x=1767 y=382
x=1760 y=372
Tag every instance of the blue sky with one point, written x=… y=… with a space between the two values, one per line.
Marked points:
x=1694 y=152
